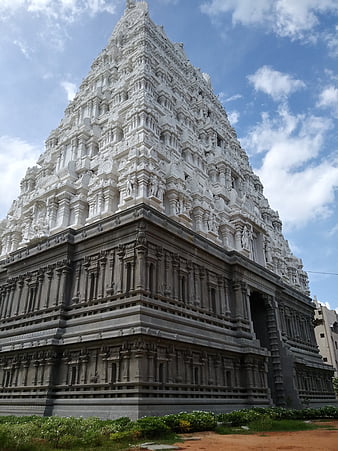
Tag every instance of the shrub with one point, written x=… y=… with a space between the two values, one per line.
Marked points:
x=239 y=417
x=70 y=432
x=151 y=427
x=6 y=438
x=191 y=421
x=18 y=437
x=328 y=412
x=184 y=426
x=245 y=416
x=54 y=428
x=119 y=425
x=11 y=419
x=68 y=441
x=202 y=421
x=263 y=423
x=129 y=436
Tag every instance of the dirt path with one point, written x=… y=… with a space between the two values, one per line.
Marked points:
x=317 y=440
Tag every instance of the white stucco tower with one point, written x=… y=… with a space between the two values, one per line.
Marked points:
x=146 y=127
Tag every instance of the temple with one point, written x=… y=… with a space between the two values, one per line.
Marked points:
x=142 y=270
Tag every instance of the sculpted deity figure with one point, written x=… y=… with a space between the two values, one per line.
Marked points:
x=246 y=238
x=212 y=226
x=129 y=187
x=153 y=189
x=267 y=250
x=160 y=191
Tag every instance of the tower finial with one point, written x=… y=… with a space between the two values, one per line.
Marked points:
x=130 y=4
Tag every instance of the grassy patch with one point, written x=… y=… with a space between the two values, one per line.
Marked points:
x=226 y=430
x=281 y=425
x=269 y=425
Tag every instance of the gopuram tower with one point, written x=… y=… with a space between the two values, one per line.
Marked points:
x=142 y=270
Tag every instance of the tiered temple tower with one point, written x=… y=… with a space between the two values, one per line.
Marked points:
x=143 y=271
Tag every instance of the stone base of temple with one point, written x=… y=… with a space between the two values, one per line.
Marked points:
x=138 y=315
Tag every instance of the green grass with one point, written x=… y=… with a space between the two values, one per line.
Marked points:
x=266 y=424
x=281 y=425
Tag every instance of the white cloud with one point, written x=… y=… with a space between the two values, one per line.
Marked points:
x=333 y=231
x=296 y=182
x=67 y=10
x=233 y=117
x=16 y=156
x=23 y=48
x=328 y=98
x=332 y=42
x=274 y=83
x=54 y=18
x=70 y=89
x=223 y=98
x=243 y=11
x=292 y=18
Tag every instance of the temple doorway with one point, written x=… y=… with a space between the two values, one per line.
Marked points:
x=264 y=325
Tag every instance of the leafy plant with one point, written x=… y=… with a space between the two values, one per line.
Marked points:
x=245 y=416
x=151 y=427
x=335 y=385
x=191 y=421
x=19 y=437
x=129 y=436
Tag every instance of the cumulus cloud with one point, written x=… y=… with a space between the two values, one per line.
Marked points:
x=291 y=18
x=274 y=83
x=296 y=182
x=328 y=98
x=233 y=117
x=332 y=42
x=243 y=11
x=70 y=89
x=67 y=10
x=54 y=18
x=16 y=156
x=223 y=97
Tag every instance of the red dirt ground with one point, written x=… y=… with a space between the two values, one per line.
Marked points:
x=317 y=440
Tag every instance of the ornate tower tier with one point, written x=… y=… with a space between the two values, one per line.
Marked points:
x=146 y=127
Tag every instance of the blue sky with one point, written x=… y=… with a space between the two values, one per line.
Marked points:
x=273 y=64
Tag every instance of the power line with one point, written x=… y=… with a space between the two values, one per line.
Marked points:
x=327 y=273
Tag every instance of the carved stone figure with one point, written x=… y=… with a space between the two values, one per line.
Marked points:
x=153 y=190
x=129 y=187
x=246 y=238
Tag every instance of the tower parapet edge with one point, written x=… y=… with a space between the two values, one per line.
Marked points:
x=146 y=127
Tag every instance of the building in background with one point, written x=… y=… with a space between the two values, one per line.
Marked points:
x=143 y=270
x=326 y=330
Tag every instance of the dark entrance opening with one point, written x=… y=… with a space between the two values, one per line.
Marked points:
x=259 y=316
